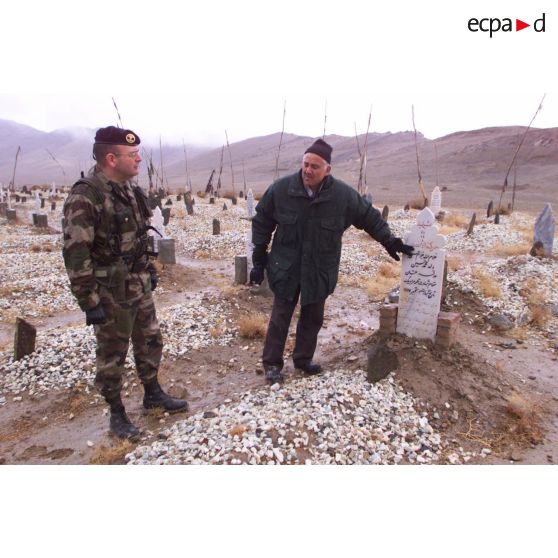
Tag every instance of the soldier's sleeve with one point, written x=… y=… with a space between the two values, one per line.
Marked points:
x=364 y=215
x=80 y=217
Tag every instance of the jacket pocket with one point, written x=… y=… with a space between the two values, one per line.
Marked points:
x=287 y=229
x=331 y=231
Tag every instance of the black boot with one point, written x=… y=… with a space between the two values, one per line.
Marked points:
x=155 y=397
x=120 y=425
x=310 y=369
x=273 y=375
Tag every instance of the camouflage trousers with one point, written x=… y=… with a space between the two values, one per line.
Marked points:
x=136 y=320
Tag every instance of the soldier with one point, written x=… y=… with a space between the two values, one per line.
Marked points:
x=308 y=211
x=106 y=219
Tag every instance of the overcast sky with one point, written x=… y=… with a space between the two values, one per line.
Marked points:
x=193 y=71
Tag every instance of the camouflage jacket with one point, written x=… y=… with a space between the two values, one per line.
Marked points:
x=105 y=240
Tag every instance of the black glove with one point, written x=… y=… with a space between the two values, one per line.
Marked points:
x=394 y=245
x=257 y=275
x=259 y=256
x=95 y=315
x=154 y=278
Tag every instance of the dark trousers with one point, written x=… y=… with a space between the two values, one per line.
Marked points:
x=309 y=324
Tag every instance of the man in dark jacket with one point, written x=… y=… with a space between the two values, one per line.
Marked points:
x=309 y=211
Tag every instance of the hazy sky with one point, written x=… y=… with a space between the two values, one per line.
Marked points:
x=193 y=71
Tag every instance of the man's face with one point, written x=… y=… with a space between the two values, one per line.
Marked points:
x=314 y=170
x=125 y=161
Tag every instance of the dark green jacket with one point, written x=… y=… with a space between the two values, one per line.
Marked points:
x=306 y=248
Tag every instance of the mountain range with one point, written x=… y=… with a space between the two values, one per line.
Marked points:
x=469 y=166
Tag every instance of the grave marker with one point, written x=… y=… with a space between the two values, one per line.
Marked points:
x=250 y=204
x=24 y=339
x=489 y=208
x=421 y=279
x=472 y=224
x=241 y=270
x=544 y=231
x=385 y=213
x=436 y=201
x=216 y=226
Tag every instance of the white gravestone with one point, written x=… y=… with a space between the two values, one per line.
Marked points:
x=544 y=229
x=157 y=223
x=53 y=190
x=436 y=201
x=37 y=203
x=1 y=192
x=421 y=279
x=249 y=248
x=250 y=204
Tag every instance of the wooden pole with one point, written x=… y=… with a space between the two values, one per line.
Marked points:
x=276 y=176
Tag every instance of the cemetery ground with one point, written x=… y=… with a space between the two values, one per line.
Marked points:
x=490 y=398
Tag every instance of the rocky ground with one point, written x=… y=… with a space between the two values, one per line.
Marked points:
x=492 y=398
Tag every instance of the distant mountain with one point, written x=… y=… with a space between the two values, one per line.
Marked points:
x=470 y=166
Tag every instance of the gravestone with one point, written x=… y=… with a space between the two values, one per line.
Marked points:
x=422 y=279
x=489 y=208
x=407 y=207
x=224 y=207
x=188 y=202
x=240 y=270
x=385 y=213
x=53 y=206
x=34 y=219
x=23 y=199
x=241 y=195
x=234 y=200
x=17 y=198
x=216 y=226
x=166 y=250
x=42 y=203
x=212 y=200
x=544 y=232
x=249 y=247
x=436 y=201
x=24 y=339
x=472 y=224
x=11 y=215
x=496 y=218
x=250 y=204
x=42 y=221
x=381 y=361
x=169 y=202
x=53 y=190
x=166 y=213
x=178 y=197
x=3 y=208
x=158 y=224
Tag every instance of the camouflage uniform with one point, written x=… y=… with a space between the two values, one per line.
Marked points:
x=105 y=254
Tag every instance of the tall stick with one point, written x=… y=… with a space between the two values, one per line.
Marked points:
x=276 y=176
x=421 y=186
x=220 y=171
x=244 y=177
x=11 y=185
x=161 y=160
x=118 y=113
x=230 y=160
x=188 y=182
x=325 y=119
x=517 y=151
x=436 y=159
x=56 y=161
x=363 y=157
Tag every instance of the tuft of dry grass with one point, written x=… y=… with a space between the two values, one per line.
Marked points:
x=201 y=194
x=488 y=286
x=202 y=254
x=252 y=326
x=449 y=229
x=506 y=250
x=540 y=315
x=526 y=418
x=456 y=220
x=230 y=291
x=380 y=286
x=237 y=430
x=35 y=248
x=218 y=329
x=454 y=263
x=417 y=203
x=112 y=455
x=389 y=269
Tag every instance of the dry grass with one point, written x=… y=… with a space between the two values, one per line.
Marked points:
x=488 y=286
x=252 y=326
x=228 y=194
x=456 y=220
x=417 y=203
x=389 y=270
x=35 y=248
x=526 y=418
x=202 y=254
x=526 y=231
x=201 y=194
x=506 y=250
x=540 y=315
x=536 y=300
x=237 y=430
x=454 y=263
x=449 y=229
x=380 y=286
x=112 y=455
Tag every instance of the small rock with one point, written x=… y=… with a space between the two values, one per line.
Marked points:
x=90 y=443
x=209 y=414
x=352 y=358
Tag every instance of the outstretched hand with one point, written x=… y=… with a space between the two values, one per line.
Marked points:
x=395 y=245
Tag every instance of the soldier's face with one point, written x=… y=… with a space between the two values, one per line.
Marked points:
x=314 y=170
x=125 y=161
